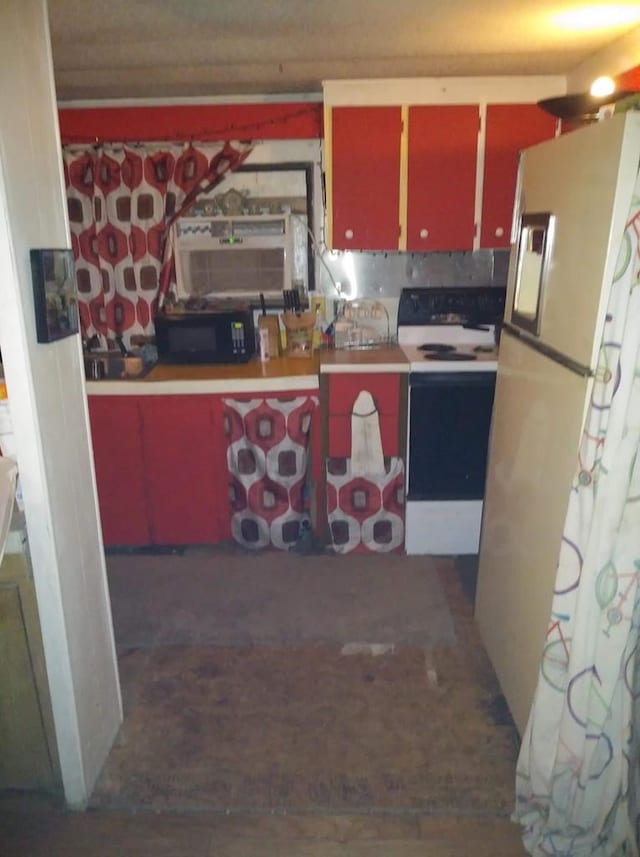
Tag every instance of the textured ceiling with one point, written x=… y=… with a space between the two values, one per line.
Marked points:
x=148 y=48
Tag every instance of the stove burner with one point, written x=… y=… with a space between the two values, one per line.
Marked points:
x=484 y=349
x=455 y=355
x=437 y=347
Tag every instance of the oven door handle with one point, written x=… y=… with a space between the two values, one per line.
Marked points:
x=452 y=378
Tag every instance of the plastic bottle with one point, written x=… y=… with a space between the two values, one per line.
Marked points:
x=264 y=344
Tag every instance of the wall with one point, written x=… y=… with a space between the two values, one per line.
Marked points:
x=49 y=411
x=621 y=55
x=292 y=132
x=244 y=121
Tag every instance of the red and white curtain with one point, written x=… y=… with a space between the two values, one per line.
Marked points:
x=121 y=200
x=365 y=513
x=268 y=462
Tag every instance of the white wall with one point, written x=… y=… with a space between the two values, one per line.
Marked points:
x=49 y=411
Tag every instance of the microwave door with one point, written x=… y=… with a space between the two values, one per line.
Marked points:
x=195 y=340
x=225 y=337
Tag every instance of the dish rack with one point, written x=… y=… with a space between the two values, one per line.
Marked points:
x=361 y=323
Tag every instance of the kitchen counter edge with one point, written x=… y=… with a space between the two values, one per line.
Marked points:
x=279 y=375
x=390 y=358
x=274 y=376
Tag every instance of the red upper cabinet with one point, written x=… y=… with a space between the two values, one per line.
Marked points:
x=365 y=177
x=509 y=129
x=441 y=185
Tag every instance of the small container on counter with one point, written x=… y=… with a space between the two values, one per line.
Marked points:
x=264 y=344
x=299 y=327
x=271 y=325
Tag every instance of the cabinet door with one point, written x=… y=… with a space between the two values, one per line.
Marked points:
x=441 y=191
x=116 y=433
x=182 y=483
x=365 y=178
x=509 y=129
x=29 y=758
x=344 y=390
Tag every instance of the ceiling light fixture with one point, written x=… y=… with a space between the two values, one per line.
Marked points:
x=602 y=86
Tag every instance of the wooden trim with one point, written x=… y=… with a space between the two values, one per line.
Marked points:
x=328 y=175
x=442 y=90
x=480 y=157
x=322 y=524
x=404 y=178
x=403 y=414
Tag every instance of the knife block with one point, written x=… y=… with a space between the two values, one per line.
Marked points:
x=270 y=323
x=299 y=327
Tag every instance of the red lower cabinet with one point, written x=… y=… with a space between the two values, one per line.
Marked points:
x=161 y=467
x=116 y=432
x=340 y=435
x=186 y=492
x=343 y=392
x=364 y=513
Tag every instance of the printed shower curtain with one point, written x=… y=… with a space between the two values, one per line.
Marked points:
x=576 y=777
x=121 y=200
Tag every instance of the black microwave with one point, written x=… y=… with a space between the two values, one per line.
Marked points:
x=225 y=336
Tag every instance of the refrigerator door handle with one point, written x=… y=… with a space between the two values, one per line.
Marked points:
x=547 y=351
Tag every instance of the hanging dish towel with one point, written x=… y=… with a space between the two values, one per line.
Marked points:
x=366 y=446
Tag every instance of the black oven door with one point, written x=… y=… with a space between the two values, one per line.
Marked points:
x=449 y=422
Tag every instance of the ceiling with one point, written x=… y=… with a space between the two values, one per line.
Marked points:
x=107 y=49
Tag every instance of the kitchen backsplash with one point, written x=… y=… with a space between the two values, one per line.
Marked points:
x=374 y=275
x=382 y=276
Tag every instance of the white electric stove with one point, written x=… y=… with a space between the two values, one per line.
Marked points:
x=448 y=336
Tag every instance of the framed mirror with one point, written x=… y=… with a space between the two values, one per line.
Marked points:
x=535 y=239
x=54 y=294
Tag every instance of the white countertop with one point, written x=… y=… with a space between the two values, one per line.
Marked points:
x=389 y=358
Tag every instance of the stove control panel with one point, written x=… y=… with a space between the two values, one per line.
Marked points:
x=466 y=305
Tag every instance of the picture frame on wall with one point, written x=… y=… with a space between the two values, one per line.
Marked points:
x=54 y=294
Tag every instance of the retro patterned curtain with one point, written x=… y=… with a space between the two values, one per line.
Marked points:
x=578 y=774
x=121 y=201
x=268 y=462
x=365 y=514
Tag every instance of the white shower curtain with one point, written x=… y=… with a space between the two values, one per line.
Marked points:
x=579 y=755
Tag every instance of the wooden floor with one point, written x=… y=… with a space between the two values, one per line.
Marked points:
x=38 y=825
x=33 y=828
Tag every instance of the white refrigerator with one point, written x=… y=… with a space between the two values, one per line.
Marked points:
x=573 y=197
